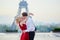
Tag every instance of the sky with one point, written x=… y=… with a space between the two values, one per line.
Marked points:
x=47 y=11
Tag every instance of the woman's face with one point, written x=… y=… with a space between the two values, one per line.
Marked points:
x=21 y=19
x=24 y=17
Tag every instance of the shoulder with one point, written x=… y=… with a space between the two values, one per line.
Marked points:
x=29 y=19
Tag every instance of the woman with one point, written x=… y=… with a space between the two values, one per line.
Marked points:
x=21 y=21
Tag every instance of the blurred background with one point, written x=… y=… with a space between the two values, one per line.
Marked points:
x=46 y=14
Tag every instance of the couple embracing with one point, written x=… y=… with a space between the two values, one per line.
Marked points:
x=27 y=26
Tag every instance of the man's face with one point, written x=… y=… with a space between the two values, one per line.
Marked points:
x=24 y=17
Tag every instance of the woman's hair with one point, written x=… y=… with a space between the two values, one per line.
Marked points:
x=24 y=14
x=18 y=19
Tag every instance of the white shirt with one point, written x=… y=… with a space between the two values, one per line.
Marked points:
x=30 y=25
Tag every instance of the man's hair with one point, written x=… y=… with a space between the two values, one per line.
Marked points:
x=24 y=14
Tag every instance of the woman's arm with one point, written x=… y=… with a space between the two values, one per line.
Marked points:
x=30 y=14
x=23 y=21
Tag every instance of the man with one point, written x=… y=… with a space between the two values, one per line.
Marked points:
x=30 y=25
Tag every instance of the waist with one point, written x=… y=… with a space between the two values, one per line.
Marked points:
x=31 y=31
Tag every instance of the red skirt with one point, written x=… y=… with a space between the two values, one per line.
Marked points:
x=25 y=36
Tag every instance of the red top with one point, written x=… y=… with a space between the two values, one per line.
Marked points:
x=23 y=27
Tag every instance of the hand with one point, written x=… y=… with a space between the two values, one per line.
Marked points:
x=31 y=14
x=23 y=31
